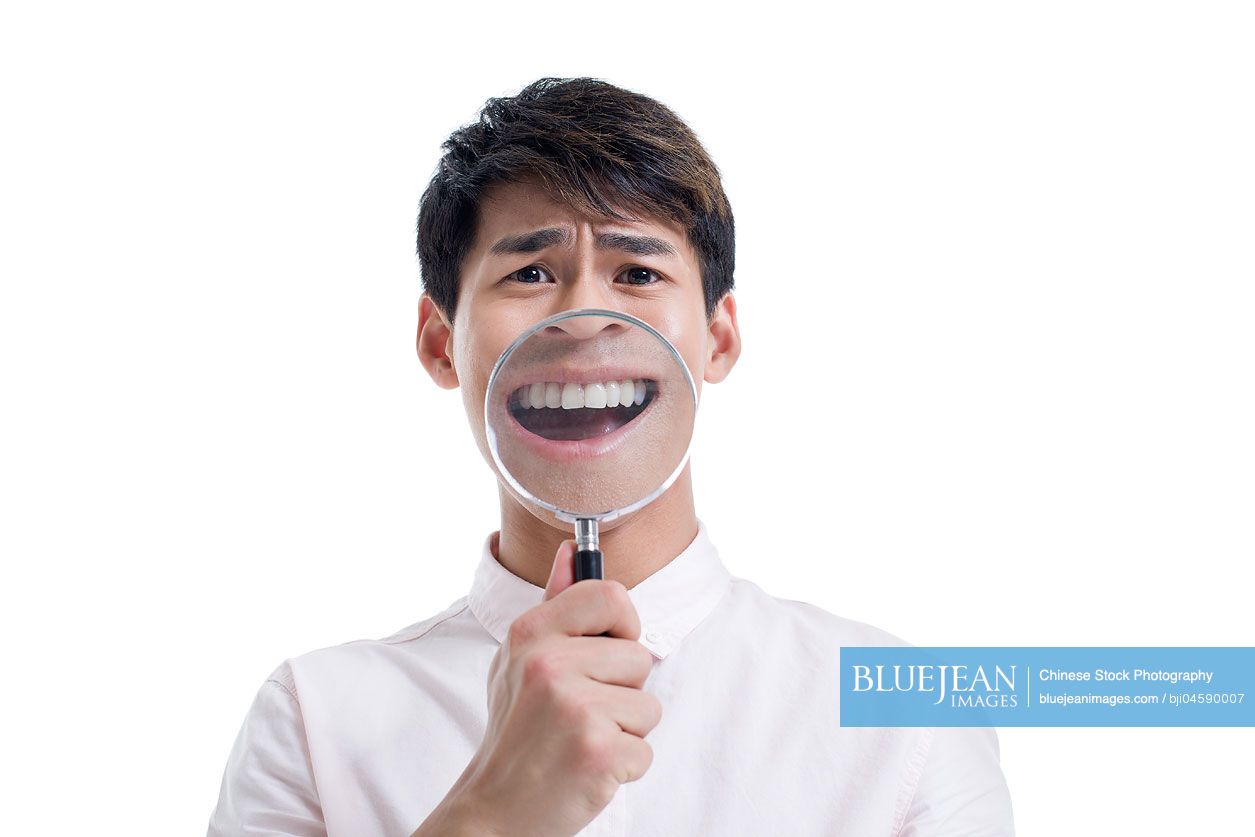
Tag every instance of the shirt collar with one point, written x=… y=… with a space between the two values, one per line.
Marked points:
x=670 y=603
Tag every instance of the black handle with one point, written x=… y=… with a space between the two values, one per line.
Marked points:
x=588 y=564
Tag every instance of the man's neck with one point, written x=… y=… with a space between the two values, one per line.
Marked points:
x=634 y=548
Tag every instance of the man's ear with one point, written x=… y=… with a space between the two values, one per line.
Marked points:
x=723 y=340
x=435 y=344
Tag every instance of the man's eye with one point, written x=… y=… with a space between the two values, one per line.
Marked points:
x=530 y=274
x=641 y=276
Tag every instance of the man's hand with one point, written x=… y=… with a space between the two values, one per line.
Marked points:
x=567 y=715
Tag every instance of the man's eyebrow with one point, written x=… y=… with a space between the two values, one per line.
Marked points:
x=537 y=240
x=532 y=242
x=639 y=245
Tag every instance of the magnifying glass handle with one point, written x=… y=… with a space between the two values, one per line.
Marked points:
x=587 y=550
x=587 y=553
x=588 y=564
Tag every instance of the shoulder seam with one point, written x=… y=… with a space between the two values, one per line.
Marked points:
x=429 y=629
x=285 y=688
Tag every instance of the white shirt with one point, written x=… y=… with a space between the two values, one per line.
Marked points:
x=365 y=738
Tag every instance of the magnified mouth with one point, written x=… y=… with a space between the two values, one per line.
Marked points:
x=570 y=411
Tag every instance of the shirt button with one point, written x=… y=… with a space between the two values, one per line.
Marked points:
x=653 y=636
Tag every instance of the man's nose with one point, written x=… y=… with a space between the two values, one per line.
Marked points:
x=586 y=327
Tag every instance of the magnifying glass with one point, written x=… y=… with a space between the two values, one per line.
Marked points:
x=589 y=415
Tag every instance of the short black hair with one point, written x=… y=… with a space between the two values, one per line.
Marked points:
x=593 y=145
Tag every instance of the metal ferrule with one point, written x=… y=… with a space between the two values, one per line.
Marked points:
x=586 y=535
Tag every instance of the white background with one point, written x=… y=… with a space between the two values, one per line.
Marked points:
x=994 y=274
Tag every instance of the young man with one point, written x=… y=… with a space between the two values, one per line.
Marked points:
x=670 y=698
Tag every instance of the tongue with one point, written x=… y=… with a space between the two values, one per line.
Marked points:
x=570 y=425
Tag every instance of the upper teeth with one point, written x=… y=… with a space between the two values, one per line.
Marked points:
x=573 y=396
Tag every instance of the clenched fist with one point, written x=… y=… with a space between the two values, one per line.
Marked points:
x=567 y=715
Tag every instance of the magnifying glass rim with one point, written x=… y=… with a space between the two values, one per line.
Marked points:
x=563 y=514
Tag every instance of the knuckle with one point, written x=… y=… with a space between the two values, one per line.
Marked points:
x=646 y=758
x=594 y=752
x=603 y=591
x=637 y=757
x=600 y=790
x=540 y=669
x=653 y=710
x=522 y=630
x=574 y=712
x=638 y=663
x=616 y=594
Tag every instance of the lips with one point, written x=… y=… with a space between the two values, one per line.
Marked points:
x=581 y=429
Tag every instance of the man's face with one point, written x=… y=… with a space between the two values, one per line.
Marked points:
x=533 y=257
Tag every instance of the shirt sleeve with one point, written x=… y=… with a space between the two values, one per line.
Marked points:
x=268 y=785
x=961 y=788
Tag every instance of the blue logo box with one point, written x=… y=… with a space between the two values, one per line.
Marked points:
x=909 y=686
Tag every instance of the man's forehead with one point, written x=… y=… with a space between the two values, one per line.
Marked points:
x=520 y=207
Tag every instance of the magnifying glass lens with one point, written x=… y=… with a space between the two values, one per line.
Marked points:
x=590 y=414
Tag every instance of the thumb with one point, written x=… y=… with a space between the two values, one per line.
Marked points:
x=562 y=574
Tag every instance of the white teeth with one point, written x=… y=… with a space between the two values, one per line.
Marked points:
x=573 y=396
